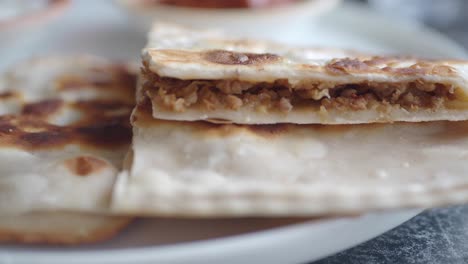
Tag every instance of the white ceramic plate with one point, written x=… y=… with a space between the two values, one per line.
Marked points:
x=248 y=22
x=103 y=30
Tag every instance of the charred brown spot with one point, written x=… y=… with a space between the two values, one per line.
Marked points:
x=219 y=129
x=100 y=122
x=70 y=82
x=405 y=71
x=238 y=58
x=125 y=78
x=42 y=108
x=85 y=165
x=28 y=132
x=7 y=129
x=8 y=94
x=375 y=61
x=443 y=70
x=43 y=139
x=269 y=130
x=78 y=82
x=115 y=77
x=219 y=121
x=6 y=125
x=337 y=129
x=347 y=65
x=114 y=132
x=102 y=105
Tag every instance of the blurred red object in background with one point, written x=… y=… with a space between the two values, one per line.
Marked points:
x=222 y=4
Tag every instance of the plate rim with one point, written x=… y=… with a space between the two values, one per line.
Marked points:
x=230 y=244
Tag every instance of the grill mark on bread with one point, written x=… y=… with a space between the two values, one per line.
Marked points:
x=347 y=65
x=116 y=77
x=42 y=108
x=26 y=133
x=102 y=123
x=8 y=94
x=85 y=165
x=270 y=130
x=7 y=129
x=96 y=109
x=71 y=82
x=238 y=58
x=114 y=132
x=42 y=139
x=387 y=66
x=28 y=127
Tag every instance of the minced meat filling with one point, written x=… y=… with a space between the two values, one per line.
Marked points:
x=178 y=95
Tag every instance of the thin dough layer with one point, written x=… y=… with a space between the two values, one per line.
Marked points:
x=204 y=169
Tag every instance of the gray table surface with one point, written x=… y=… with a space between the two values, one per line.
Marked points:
x=434 y=236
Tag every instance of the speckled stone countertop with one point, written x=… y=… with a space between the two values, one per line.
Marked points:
x=434 y=236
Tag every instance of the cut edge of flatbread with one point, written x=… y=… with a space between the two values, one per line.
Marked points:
x=65 y=228
x=201 y=169
x=209 y=77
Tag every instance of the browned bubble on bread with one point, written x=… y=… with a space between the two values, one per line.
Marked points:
x=31 y=133
x=85 y=165
x=239 y=58
x=350 y=66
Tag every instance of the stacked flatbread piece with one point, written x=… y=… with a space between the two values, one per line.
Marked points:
x=64 y=131
x=227 y=127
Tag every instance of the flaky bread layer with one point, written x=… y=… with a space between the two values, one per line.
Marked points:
x=205 y=169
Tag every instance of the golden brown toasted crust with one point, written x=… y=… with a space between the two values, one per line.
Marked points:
x=387 y=65
x=9 y=94
x=29 y=133
x=43 y=108
x=110 y=77
x=239 y=58
x=101 y=122
x=356 y=65
x=142 y=117
x=85 y=165
x=79 y=106
x=101 y=232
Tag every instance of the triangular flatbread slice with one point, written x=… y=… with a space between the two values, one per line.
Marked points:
x=64 y=130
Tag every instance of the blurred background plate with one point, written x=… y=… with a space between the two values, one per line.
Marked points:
x=23 y=23
x=101 y=28
x=285 y=20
